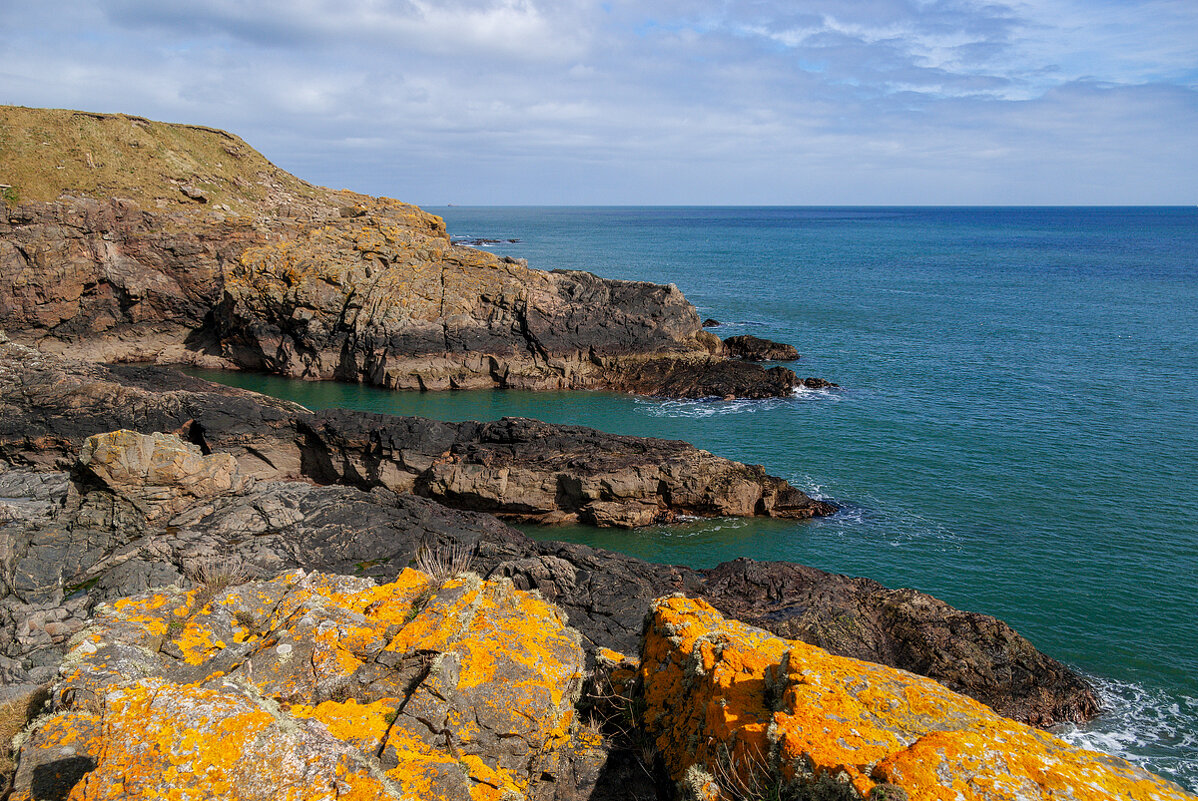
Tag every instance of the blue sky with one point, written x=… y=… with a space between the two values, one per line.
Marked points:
x=653 y=102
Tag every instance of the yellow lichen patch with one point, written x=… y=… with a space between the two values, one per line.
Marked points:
x=743 y=704
x=197 y=642
x=421 y=767
x=360 y=725
x=491 y=784
x=148 y=611
x=166 y=741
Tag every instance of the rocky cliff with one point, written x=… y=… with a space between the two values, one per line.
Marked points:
x=123 y=239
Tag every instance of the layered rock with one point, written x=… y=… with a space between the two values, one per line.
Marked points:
x=538 y=472
x=198 y=250
x=521 y=469
x=73 y=544
x=737 y=712
x=312 y=686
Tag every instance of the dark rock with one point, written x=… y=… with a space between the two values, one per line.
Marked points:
x=819 y=383
x=711 y=323
x=522 y=469
x=702 y=378
x=756 y=349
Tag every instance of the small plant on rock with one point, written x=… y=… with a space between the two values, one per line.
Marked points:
x=445 y=561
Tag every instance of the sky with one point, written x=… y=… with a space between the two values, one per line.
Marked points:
x=652 y=102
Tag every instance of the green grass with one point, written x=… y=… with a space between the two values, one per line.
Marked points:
x=45 y=153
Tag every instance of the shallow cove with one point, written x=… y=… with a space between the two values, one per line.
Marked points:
x=1017 y=433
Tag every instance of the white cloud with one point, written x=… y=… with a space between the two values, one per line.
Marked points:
x=854 y=101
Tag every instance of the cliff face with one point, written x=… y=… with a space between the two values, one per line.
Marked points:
x=175 y=243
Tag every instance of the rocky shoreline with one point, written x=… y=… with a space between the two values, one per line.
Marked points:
x=208 y=592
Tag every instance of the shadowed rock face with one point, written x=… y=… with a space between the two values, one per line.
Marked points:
x=308 y=282
x=70 y=545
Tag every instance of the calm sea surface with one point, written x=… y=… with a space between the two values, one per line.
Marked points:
x=1017 y=433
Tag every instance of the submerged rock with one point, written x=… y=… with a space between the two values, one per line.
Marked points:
x=737 y=712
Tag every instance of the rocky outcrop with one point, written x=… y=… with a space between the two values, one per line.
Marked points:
x=209 y=254
x=537 y=472
x=756 y=349
x=319 y=686
x=334 y=687
x=737 y=712
x=72 y=544
x=520 y=469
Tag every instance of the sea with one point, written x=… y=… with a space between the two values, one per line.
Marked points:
x=1016 y=430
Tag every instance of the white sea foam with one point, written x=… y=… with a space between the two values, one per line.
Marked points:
x=1146 y=726
x=717 y=407
x=808 y=394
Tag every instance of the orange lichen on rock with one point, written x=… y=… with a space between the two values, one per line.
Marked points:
x=733 y=707
x=314 y=686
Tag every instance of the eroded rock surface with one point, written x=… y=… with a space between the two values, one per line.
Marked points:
x=756 y=349
x=738 y=712
x=314 y=686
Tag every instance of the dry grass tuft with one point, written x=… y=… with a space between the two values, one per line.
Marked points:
x=15 y=715
x=445 y=561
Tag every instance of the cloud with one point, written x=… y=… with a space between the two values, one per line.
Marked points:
x=706 y=101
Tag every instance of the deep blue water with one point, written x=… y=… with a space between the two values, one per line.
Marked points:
x=1017 y=433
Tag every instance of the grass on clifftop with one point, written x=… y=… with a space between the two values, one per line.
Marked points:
x=45 y=153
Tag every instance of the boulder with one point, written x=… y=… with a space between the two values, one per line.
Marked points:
x=737 y=712
x=158 y=473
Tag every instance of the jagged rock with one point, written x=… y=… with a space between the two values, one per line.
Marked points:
x=739 y=712
x=756 y=349
x=260 y=270
x=531 y=471
x=711 y=323
x=458 y=689
x=818 y=383
x=702 y=378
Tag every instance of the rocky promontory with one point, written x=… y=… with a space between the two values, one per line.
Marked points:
x=124 y=239
x=516 y=468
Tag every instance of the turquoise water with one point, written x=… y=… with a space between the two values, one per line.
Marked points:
x=1017 y=433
